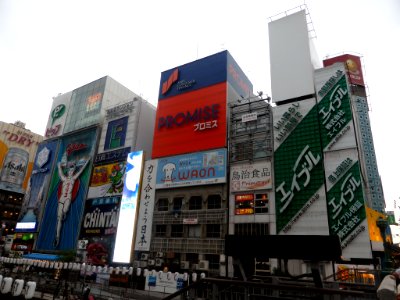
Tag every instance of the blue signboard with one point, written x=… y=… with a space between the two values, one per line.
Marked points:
x=213 y=69
x=192 y=169
x=193 y=76
x=35 y=195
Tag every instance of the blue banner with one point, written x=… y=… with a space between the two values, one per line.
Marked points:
x=192 y=169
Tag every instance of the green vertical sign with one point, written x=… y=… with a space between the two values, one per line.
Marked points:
x=298 y=164
x=346 y=204
x=335 y=112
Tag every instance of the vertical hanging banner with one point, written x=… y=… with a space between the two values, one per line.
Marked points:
x=345 y=200
x=146 y=208
x=299 y=175
x=128 y=208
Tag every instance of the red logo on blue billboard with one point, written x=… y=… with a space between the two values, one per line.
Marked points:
x=166 y=86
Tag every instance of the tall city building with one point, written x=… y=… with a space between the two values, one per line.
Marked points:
x=325 y=171
x=190 y=154
x=80 y=166
x=18 y=147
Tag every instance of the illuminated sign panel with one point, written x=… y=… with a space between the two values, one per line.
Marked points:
x=147 y=196
x=116 y=133
x=192 y=169
x=107 y=180
x=67 y=192
x=98 y=228
x=244 y=204
x=353 y=66
x=129 y=202
x=191 y=122
x=35 y=194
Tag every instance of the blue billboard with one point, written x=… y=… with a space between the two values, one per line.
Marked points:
x=32 y=205
x=192 y=169
x=60 y=223
x=213 y=69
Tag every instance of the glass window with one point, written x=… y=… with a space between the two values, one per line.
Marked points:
x=161 y=230
x=195 y=231
x=214 y=202
x=195 y=202
x=213 y=261
x=251 y=229
x=177 y=230
x=177 y=204
x=261 y=203
x=163 y=204
x=213 y=230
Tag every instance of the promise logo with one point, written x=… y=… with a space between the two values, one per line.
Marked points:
x=168 y=83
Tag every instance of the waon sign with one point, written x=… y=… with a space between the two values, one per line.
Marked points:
x=191 y=122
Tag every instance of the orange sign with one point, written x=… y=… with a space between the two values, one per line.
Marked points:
x=191 y=122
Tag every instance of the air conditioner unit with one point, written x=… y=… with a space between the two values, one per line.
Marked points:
x=160 y=254
x=184 y=264
x=195 y=266
x=159 y=262
x=136 y=264
x=144 y=256
x=203 y=264
x=143 y=264
x=151 y=262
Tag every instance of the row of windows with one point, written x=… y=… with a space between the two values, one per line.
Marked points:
x=194 y=203
x=189 y=231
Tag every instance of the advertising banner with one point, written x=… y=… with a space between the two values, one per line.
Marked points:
x=58 y=115
x=249 y=177
x=36 y=192
x=334 y=108
x=191 y=122
x=164 y=282
x=196 y=75
x=85 y=106
x=192 y=169
x=99 y=227
x=345 y=198
x=146 y=208
x=70 y=179
x=18 y=148
x=299 y=174
x=353 y=66
x=128 y=210
x=107 y=180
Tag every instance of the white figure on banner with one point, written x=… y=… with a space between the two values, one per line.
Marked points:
x=65 y=197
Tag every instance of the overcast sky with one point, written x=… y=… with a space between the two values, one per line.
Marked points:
x=51 y=47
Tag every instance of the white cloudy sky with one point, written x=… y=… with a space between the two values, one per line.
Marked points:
x=54 y=46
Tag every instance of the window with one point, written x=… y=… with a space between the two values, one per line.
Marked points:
x=161 y=230
x=163 y=204
x=194 y=231
x=213 y=231
x=261 y=203
x=214 y=201
x=251 y=229
x=177 y=206
x=177 y=230
x=195 y=202
x=213 y=260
